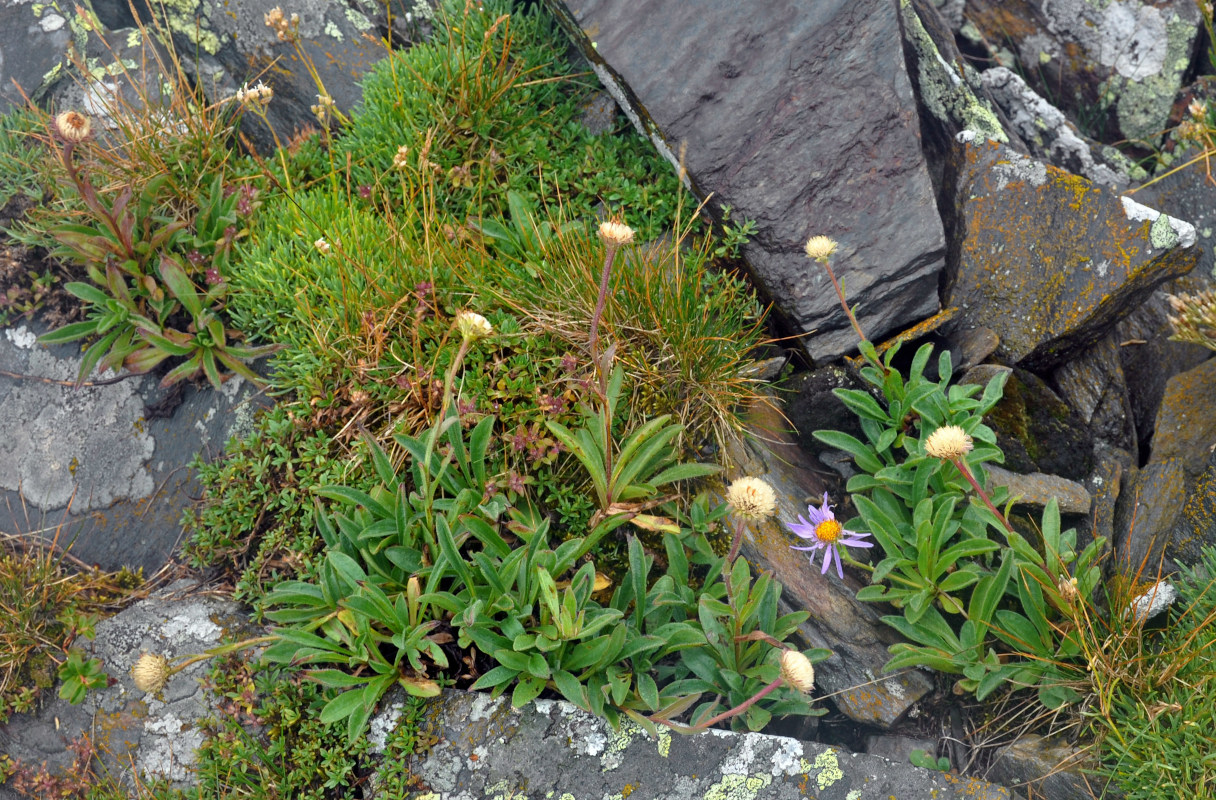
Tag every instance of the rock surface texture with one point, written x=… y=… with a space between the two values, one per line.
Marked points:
x=1050 y=261
x=763 y=111
x=104 y=467
x=156 y=734
x=551 y=749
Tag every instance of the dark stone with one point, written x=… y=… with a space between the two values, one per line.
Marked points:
x=483 y=748
x=1036 y=490
x=1149 y=358
x=969 y=346
x=31 y=46
x=852 y=630
x=222 y=48
x=93 y=468
x=1094 y=386
x=765 y=110
x=1187 y=194
x=1048 y=768
x=1118 y=66
x=814 y=406
x=1049 y=135
x=1150 y=503
x=1104 y=487
x=1186 y=427
x=1037 y=431
x=898 y=748
x=1050 y=261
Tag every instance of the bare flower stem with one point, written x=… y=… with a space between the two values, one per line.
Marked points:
x=966 y=470
x=600 y=301
x=734 y=712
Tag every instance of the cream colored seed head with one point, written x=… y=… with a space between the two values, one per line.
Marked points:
x=150 y=673
x=948 y=443
x=401 y=160
x=473 y=326
x=616 y=234
x=797 y=671
x=73 y=126
x=820 y=248
x=751 y=498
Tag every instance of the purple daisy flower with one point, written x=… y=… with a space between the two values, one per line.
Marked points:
x=824 y=531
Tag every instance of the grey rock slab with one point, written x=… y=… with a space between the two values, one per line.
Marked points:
x=34 y=38
x=1094 y=385
x=1188 y=194
x=1048 y=133
x=551 y=749
x=1149 y=506
x=157 y=734
x=1036 y=490
x=802 y=119
x=1119 y=64
x=100 y=468
x=1047 y=259
x=852 y=630
x=1048 y=768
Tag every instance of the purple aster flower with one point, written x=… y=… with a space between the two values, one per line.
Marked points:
x=824 y=531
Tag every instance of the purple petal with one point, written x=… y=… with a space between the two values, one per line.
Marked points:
x=812 y=547
x=839 y=567
x=816 y=516
x=827 y=560
x=802 y=528
x=856 y=543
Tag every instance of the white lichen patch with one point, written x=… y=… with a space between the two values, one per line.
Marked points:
x=740 y=759
x=357 y=20
x=788 y=760
x=194 y=623
x=22 y=337
x=1019 y=169
x=1165 y=231
x=333 y=31
x=738 y=787
x=383 y=724
x=482 y=707
x=829 y=769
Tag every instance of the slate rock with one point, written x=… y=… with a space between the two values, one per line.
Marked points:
x=1047 y=259
x=547 y=748
x=813 y=405
x=1187 y=194
x=1149 y=506
x=852 y=630
x=224 y=46
x=1036 y=490
x=34 y=39
x=1093 y=384
x=1118 y=64
x=159 y=733
x=1186 y=427
x=104 y=468
x=765 y=110
x=1048 y=768
x=1036 y=430
x=1048 y=133
x=1149 y=358
x=898 y=748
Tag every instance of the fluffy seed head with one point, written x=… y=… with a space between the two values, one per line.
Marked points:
x=73 y=126
x=473 y=326
x=751 y=498
x=616 y=234
x=402 y=158
x=820 y=248
x=797 y=671
x=948 y=443
x=322 y=246
x=150 y=673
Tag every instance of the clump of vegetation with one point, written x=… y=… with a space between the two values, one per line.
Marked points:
x=46 y=603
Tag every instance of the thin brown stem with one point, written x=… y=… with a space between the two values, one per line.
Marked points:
x=600 y=301
x=734 y=712
x=966 y=470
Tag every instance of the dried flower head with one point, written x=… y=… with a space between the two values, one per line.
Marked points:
x=73 y=126
x=150 y=673
x=1195 y=318
x=616 y=234
x=751 y=498
x=322 y=246
x=283 y=27
x=820 y=248
x=402 y=159
x=323 y=109
x=823 y=530
x=948 y=443
x=1068 y=589
x=797 y=671
x=473 y=326
x=258 y=96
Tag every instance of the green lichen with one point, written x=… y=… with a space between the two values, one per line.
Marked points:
x=333 y=31
x=1161 y=234
x=360 y=22
x=738 y=787
x=943 y=92
x=829 y=769
x=192 y=20
x=1143 y=107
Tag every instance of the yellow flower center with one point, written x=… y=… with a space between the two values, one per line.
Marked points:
x=828 y=531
